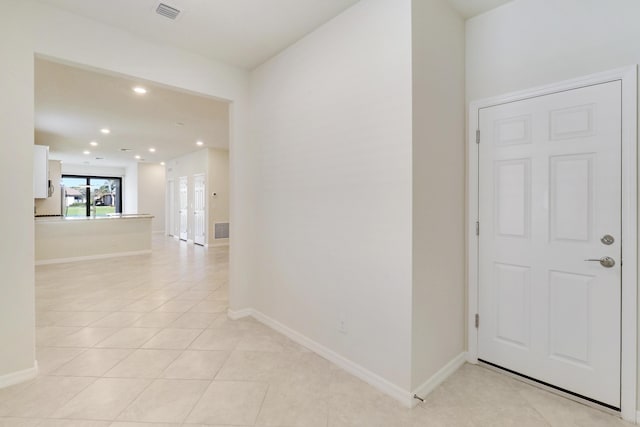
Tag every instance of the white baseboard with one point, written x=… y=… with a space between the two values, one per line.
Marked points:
x=638 y=418
x=373 y=379
x=19 y=377
x=239 y=314
x=439 y=377
x=91 y=257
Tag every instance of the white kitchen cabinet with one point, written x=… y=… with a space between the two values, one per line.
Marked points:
x=40 y=172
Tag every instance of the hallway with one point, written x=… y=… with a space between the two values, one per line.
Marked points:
x=138 y=341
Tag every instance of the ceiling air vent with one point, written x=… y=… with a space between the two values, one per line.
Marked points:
x=167 y=11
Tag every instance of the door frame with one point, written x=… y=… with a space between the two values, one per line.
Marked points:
x=629 y=268
x=205 y=210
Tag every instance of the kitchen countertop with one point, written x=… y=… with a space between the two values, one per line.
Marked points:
x=92 y=218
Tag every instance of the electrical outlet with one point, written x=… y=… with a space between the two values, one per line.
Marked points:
x=342 y=325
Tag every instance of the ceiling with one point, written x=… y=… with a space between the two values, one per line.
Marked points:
x=244 y=33
x=72 y=105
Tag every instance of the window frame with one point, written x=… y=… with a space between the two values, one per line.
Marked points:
x=88 y=179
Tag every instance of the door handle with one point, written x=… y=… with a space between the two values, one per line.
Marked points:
x=605 y=261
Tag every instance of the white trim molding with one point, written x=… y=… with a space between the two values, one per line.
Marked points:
x=239 y=314
x=385 y=386
x=19 y=376
x=91 y=257
x=439 y=377
x=403 y=396
x=629 y=334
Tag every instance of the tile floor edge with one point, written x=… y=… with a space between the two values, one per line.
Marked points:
x=405 y=397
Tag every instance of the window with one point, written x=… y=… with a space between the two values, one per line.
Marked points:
x=91 y=195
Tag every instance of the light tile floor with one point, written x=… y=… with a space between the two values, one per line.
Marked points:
x=144 y=341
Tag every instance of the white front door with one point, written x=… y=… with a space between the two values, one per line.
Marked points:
x=199 y=226
x=184 y=207
x=549 y=202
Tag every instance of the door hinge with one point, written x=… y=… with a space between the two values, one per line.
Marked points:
x=478 y=136
x=477 y=228
x=477 y=320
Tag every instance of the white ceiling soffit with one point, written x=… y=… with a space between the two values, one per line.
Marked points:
x=471 y=8
x=244 y=33
x=72 y=105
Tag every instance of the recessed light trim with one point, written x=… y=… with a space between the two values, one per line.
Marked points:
x=86 y=152
x=93 y=144
x=152 y=150
x=139 y=90
x=105 y=131
x=136 y=157
x=199 y=143
x=162 y=163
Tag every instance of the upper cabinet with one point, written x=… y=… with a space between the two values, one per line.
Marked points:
x=40 y=172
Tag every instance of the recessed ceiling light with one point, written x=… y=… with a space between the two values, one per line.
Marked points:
x=137 y=157
x=162 y=163
x=152 y=150
x=86 y=152
x=105 y=131
x=199 y=143
x=93 y=143
x=139 y=90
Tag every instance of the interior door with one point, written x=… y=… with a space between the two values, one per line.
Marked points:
x=550 y=239
x=184 y=207
x=199 y=225
x=171 y=208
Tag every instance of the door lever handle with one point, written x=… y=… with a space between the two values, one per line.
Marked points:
x=605 y=261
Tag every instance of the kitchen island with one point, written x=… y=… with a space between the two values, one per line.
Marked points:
x=70 y=239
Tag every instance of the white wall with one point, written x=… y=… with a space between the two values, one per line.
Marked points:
x=331 y=116
x=17 y=320
x=91 y=170
x=188 y=165
x=130 y=190
x=214 y=164
x=151 y=193
x=530 y=43
x=218 y=182
x=438 y=188
x=30 y=27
